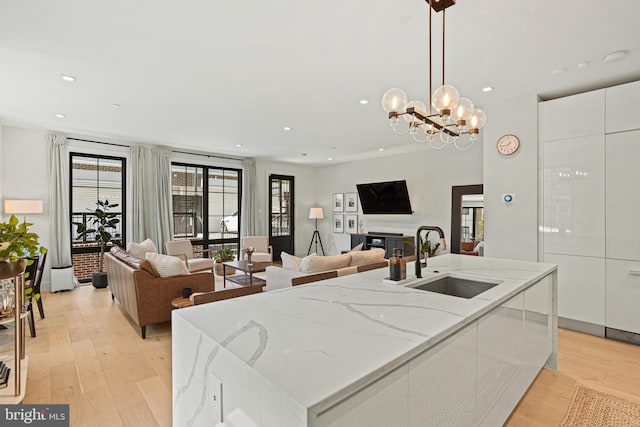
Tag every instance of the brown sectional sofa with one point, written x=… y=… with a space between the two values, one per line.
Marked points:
x=144 y=296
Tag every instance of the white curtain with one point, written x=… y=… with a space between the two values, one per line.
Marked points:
x=59 y=251
x=248 y=224
x=151 y=194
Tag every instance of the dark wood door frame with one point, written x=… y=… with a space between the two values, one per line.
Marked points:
x=457 y=191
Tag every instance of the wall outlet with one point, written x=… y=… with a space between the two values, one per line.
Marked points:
x=214 y=388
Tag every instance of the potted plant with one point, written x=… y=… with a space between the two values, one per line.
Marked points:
x=428 y=248
x=16 y=241
x=220 y=256
x=102 y=224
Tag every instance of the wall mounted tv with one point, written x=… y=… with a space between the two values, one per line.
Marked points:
x=391 y=197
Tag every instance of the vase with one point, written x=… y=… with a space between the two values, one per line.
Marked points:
x=249 y=257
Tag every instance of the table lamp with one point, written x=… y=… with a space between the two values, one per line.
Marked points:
x=23 y=207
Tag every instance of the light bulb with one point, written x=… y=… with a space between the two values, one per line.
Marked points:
x=394 y=100
x=477 y=121
x=463 y=111
x=445 y=99
x=418 y=105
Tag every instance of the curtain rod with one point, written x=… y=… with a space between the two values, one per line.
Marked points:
x=99 y=142
x=174 y=151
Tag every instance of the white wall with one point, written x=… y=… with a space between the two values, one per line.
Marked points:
x=429 y=173
x=25 y=175
x=305 y=198
x=512 y=231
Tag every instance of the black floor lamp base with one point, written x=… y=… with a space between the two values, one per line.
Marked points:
x=316 y=238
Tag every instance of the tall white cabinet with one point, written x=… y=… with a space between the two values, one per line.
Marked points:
x=590 y=150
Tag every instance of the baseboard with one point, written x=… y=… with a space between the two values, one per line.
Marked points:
x=626 y=336
x=580 y=326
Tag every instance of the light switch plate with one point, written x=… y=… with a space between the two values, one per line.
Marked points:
x=214 y=396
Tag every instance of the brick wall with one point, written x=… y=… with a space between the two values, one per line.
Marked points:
x=84 y=265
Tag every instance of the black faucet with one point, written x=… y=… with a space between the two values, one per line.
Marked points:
x=419 y=245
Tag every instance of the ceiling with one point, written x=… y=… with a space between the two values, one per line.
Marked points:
x=210 y=75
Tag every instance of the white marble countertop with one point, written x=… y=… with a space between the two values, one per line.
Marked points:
x=322 y=341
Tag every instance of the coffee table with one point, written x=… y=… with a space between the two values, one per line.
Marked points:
x=247 y=278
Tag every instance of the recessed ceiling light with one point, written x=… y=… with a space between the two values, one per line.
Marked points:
x=115 y=105
x=487 y=89
x=616 y=56
x=364 y=101
x=329 y=158
x=380 y=149
x=286 y=128
x=583 y=65
x=238 y=145
x=558 y=71
x=60 y=116
x=67 y=78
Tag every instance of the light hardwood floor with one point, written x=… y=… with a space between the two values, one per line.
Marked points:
x=87 y=354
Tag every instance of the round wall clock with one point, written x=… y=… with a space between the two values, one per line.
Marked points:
x=508 y=144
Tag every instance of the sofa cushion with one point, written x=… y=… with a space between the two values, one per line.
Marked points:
x=366 y=257
x=317 y=264
x=140 y=249
x=290 y=262
x=166 y=265
x=132 y=261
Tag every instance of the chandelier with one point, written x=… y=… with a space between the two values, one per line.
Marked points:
x=448 y=117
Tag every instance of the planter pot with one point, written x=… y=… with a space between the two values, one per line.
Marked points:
x=219 y=268
x=99 y=280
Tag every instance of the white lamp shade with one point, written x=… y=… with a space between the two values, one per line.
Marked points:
x=23 y=206
x=316 y=213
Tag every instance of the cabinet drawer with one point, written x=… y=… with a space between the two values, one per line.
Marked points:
x=623 y=295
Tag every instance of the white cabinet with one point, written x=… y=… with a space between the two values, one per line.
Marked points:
x=622 y=107
x=573 y=196
x=442 y=383
x=573 y=116
x=623 y=195
x=500 y=360
x=382 y=403
x=623 y=295
x=537 y=344
x=581 y=287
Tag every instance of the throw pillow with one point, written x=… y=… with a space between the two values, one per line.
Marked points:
x=357 y=247
x=290 y=262
x=140 y=249
x=166 y=265
x=367 y=257
x=317 y=264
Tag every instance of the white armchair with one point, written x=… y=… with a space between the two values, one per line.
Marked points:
x=263 y=251
x=184 y=250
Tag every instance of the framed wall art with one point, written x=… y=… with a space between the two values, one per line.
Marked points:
x=351 y=224
x=338 y=223
x=338 y=202
x=351 y=202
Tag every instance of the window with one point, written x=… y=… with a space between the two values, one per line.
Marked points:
x=206 y=211
x=94 y=178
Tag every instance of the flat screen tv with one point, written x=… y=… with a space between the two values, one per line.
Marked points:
x=391 y=197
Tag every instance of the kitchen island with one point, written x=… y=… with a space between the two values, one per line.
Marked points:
x=359 y=351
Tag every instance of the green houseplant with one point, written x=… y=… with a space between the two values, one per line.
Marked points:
x=16 y=241
x=102 y=225
x=428 y=248
x=220 y=256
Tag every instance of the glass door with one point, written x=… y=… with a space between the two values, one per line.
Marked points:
x=281 y=206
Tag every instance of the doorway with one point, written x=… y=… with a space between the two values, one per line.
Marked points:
x=471 y=212
x=281 y=206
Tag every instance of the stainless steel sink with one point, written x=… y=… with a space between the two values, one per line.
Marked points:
x=458 y=286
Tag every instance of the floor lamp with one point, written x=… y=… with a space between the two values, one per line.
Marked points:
x=316 y=213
